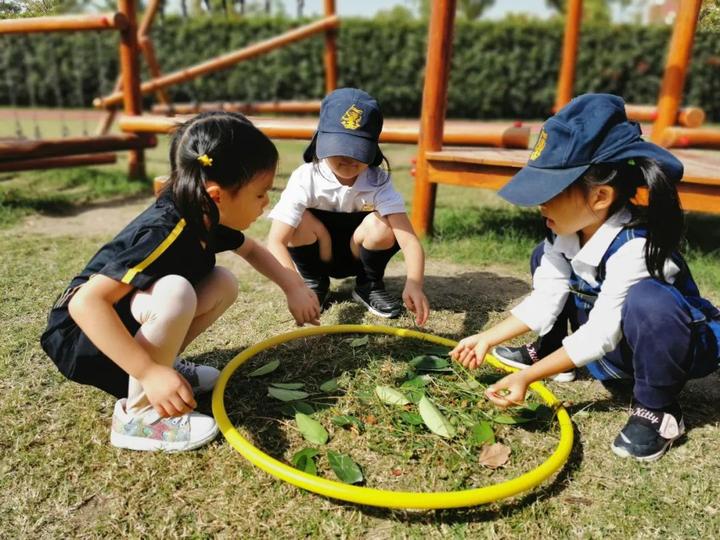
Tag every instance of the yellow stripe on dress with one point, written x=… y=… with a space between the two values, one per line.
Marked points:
x=135 y=270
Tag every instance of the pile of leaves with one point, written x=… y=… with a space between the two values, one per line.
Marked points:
x=386 y=412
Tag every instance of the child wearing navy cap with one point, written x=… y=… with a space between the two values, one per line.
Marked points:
x=340 y=216
x=610 y=270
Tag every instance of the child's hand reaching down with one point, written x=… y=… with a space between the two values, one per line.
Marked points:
x=303 y=305
x=471 y=351
x=416 y=301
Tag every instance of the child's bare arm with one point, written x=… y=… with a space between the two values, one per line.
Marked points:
x=516 y=384
x=471 y=351
x=302 y=302
x=413 y=294
x=278 y=241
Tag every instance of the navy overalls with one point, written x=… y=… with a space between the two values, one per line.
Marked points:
x=670 y=333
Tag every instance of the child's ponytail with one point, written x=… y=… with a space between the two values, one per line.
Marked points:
x=663 y=217
x=219 y=146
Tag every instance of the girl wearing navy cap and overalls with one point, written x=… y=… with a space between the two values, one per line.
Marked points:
x=609 y=269
x=340 y=216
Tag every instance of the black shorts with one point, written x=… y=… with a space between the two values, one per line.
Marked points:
x=341 y=226
x=76 y=356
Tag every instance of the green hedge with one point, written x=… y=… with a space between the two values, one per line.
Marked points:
x=500 y=69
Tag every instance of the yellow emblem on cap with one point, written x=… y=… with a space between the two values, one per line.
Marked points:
x=352 y=118
x=539 y=145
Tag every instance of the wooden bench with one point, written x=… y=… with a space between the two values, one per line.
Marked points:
x=492 y=168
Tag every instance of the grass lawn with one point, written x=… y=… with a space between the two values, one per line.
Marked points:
x=60 y=478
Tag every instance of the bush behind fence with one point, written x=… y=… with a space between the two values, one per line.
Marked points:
x=504 y=69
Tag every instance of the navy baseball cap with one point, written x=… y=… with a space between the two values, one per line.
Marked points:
x=591 y=129
x=350 y=125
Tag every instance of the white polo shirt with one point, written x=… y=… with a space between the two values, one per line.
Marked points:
x=317 y=187
x=602 y=332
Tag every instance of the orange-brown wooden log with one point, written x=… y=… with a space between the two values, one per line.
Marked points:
x=676 y=66
x=687 y=116
x=130 y=74
x=225 y=61
x=461 y=133
x=330 y=50
x=29 y=149
x=151 y=10
x=148 y=50
x=264 y=107
x=64 y=23
x=434 y=104
x=566 y=77
x=58 y=162
x=677 y=137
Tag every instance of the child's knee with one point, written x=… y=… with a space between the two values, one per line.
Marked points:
x=226 y=282
x=309 y=230
x=174 y=295
x=651 y=306
x=376 y=233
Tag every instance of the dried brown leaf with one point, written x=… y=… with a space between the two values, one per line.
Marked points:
x=494 y=456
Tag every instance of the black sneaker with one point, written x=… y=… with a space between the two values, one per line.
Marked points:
x=320 y=286
x=378 y=301
x=649 y=433
x=525 y=356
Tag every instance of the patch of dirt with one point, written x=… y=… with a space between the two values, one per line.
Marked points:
x=103 y=219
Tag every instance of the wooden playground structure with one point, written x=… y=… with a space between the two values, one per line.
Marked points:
x=86 y=150
x=492 y=168
x=501 y=151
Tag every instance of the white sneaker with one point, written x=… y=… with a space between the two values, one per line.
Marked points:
x=202 y=378
x=151 y=432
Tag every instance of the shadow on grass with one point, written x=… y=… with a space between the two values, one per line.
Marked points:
x=474 y=294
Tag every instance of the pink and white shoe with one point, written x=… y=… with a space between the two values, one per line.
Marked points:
x=150 y=432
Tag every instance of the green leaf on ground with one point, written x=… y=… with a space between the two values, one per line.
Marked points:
x=481 y=433
x=390 y=396
x=510 y=420
x=434 y=419
x=286 y=395
x=311 y=429
x=329 y=386
x=419 y=381
x=345 y=468
x=288 y=385
x=415 y=394
x=359 y=342
x=304 y=461
x=428 y=362
x=264 y=370
x=289 y=409
x=412 y=418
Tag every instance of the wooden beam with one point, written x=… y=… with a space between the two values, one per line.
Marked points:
x=245 y=107
x=394 y=131
x=687 y=116
x=434 y=104
x=225 y=61
x=566 y=77
x=80 y=160
x=130 y=74
x=676 y=66
x=330 y=50
x=64 y=23
x=677 y=137
x=29 y=149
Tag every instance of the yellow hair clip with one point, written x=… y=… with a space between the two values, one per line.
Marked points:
x=205 y=160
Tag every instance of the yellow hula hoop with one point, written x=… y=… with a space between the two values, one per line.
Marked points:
x=377 y=497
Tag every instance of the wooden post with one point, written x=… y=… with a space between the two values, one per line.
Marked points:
x=148 y=50
x=130 y=70
x=330 y=53
x=676 y=66
x=434 y=104
x=566 y=78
